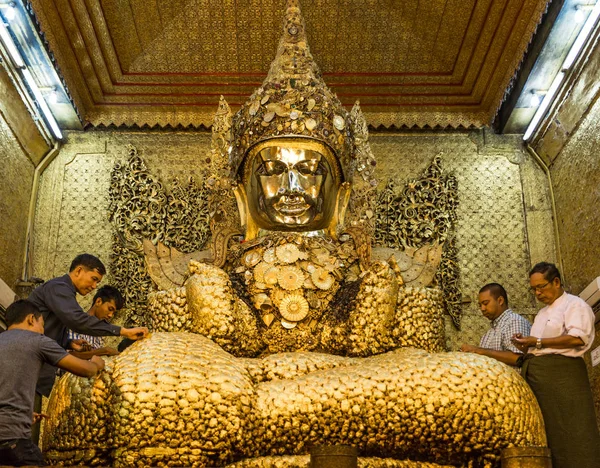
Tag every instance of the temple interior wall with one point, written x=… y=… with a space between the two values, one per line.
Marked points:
x=16 y=176
x=504 y=216
x=576 y=182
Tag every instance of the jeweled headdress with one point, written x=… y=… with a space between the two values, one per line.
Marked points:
x=295 y=103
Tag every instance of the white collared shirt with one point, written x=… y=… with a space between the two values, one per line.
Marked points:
x=567 y=315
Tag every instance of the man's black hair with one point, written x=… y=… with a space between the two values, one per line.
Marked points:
x=106 y=293
x=18 y=311
x=496 y=290
x=549 y=271
x=89 y=262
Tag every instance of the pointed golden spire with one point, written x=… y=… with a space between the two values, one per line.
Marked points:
x=221 y=140
x=293 y=60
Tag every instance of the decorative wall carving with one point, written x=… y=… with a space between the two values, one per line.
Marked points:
x=142 y=208
x=423 y=211
x=72 y=212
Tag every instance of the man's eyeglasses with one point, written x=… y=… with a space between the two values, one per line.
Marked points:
x=539 y=287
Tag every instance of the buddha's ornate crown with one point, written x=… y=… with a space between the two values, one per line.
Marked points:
x=294 y=101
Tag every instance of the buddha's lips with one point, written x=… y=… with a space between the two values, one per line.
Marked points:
x=294 y=210
x=294 y=206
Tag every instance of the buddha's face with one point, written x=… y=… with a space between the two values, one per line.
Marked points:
x=291 y=188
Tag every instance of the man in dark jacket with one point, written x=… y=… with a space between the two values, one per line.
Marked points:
x=56 y=299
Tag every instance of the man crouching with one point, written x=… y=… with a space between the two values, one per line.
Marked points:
x=23 y=350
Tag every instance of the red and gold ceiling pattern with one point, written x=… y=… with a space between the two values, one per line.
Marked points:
x=444 y=63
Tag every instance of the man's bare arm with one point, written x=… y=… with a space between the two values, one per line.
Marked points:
x=507 y=357
x=81 y=367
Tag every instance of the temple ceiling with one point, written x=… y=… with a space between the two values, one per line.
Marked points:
x=436 y=63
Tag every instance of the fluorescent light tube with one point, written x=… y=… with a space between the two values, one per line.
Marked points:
x=42 y=103
x=10 y=46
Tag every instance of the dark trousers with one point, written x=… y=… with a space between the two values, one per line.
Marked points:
x=20 y=452
x=562 y=389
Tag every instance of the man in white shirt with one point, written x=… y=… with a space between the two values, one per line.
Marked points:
x=554 y=368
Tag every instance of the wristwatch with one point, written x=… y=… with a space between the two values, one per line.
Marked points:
x=538 y=344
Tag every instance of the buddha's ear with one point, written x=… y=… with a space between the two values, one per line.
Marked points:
x=341 y=205
x=248 y=224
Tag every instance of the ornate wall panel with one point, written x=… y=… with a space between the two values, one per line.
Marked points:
x=72 y=208
x=492 y=228
x=16 y=174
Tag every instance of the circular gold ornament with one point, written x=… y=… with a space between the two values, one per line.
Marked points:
x=252 y=258
x=259 y=271
x=339 y=122
x=254 y=108
x=294 y=308
x=290 y=278
x=310 y=124
x=269 y=255
x=287 y=253
x=287 y=325
x=322 y=279
x=271 y=276
x=269 y=116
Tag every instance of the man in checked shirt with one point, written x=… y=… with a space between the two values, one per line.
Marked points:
x=496 y=343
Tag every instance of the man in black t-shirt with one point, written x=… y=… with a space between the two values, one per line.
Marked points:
x=23 y=350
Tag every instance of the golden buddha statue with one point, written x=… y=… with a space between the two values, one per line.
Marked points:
x=290 y=331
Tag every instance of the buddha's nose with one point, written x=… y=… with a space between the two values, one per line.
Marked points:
x=291 y=182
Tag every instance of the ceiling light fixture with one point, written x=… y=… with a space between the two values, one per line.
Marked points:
x=53 y=96
x=10 y=46
x=42 y=103
x=566 y=66
x=536 y=97
x=582 y=10
x=582 y=37
x=9 y=10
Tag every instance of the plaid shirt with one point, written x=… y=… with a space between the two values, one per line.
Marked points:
x=502 y=330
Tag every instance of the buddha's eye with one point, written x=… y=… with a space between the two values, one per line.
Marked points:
x=309 y=167
x=272 y=167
